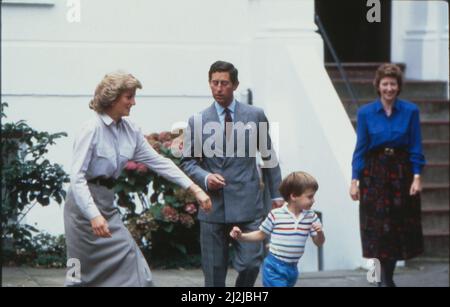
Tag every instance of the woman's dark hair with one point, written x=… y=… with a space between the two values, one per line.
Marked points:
x=388 y=70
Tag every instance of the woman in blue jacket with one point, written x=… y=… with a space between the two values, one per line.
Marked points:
x=386 y=167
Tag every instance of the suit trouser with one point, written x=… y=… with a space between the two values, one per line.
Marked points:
x=215 y=240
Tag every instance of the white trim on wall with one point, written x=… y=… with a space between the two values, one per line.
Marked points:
x=29 y=2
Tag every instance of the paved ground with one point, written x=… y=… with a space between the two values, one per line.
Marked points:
x=423 y=274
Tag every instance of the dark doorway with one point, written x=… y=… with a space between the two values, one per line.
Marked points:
x=352 y=36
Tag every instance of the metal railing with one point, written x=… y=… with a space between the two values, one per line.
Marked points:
x=320 y=248
x=327 y=41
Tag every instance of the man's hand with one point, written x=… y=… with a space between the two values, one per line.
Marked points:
x=100 y=227
x=215 y=182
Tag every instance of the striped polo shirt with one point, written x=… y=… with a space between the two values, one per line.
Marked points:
x=288 y=234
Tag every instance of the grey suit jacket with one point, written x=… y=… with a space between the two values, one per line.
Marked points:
x=241 y=200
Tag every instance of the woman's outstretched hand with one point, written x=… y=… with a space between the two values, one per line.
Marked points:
x=202 y=198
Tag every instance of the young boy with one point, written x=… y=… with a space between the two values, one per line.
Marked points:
x=289 y=228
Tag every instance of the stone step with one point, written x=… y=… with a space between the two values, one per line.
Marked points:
x=436 y=150
x=436 y=244
x=437 y=109
x=435 y=130
x=436 y=173
x=435 y=219
x=412 y=89
x=435 y=196
x=355 y=70
x=433 y=109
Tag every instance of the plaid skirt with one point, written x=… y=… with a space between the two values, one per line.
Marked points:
x=390 y=219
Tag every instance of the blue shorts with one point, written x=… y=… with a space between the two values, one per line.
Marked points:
x=278 y=273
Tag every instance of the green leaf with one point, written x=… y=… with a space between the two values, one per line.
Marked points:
x=168 y=228
x=169 y=199
x=58 y=198
x=180 y=247
x=131 y=180
x=31 y=228
x=119 y=187
x=177 y=204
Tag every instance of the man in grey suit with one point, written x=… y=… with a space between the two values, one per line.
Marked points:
x=224 y=164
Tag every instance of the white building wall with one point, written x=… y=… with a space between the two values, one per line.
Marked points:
x=316 y=135
x=50 y=69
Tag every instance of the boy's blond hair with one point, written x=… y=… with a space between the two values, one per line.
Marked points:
x=297 y=183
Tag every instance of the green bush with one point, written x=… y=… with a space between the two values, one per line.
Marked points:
x=167 y=229
x=28 y=178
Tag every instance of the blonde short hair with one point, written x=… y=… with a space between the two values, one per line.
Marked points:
x=110 y=88
x=297 y=183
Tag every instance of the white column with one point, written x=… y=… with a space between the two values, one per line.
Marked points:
x=420 y=38
x=315 y=134
x=443 y=21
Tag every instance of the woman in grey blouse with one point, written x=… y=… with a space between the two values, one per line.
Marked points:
x=96 y=238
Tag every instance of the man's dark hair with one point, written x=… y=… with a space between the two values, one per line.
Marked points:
x=221 y=66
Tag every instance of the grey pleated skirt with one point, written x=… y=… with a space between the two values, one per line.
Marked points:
x=104 y=262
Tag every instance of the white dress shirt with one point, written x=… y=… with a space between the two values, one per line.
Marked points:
x=102 y=149
x=221 y=112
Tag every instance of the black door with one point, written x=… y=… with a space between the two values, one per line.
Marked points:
x=353 y=37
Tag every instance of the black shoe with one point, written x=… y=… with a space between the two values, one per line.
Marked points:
x=390 y=284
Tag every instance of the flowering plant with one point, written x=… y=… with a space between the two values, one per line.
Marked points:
x=166 y=226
